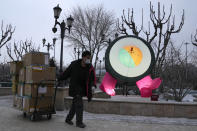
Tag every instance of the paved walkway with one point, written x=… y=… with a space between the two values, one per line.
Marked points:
x=12 y=120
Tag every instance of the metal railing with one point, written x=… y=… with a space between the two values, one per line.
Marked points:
x=5 y=84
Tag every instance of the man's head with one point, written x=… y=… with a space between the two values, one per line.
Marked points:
x=86 y=57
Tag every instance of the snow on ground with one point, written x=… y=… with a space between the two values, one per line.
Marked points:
x=136 y=119
x=138 y=98
x=7 y=101
x=188 y=98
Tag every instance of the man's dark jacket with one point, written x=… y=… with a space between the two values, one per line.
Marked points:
x=76 y=87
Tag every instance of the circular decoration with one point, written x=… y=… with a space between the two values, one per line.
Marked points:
x=129 y=59
x=130 y=56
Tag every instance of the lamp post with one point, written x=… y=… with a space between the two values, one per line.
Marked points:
x=116 y=35
x=100 y=68
x=103 y=39
x=108 y=41
x=78 y=51
x=49 y=45
x=186 y=59
x=54 y=41
x=63 y=27
x=104 y=62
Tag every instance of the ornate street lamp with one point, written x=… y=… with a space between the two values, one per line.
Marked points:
x=57 y=10
x=116 y=35
x=103 y=39
x=100 y=68
x=49 y=45
x=78 y=51
x=186 y=72
x=54 y=41
x=63 y=27
x=104 y=61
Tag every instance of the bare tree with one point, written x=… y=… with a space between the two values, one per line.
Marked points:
x=194 y=56
x=4 y=72
x=193 y=53
x=162 y=25
x=6 y=34
x=194 y=39
x=20 y=48
x=174 y=74
x=88 y=29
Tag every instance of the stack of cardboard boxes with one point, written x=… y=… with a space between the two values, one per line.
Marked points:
x=35 y=86
x=15 y=67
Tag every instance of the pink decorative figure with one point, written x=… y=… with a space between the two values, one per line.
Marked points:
x=108 y=84
x=146 y=85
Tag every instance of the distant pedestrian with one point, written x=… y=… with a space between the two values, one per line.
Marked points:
x=82 y=79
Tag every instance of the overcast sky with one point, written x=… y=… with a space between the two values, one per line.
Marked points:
x=34 y=19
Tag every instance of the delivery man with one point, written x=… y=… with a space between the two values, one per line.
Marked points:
x=82 y=79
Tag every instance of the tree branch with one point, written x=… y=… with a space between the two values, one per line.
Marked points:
x=7 y=35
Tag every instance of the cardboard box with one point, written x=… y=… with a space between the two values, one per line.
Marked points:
x=46 y=90
x=20 y=90
x=22 y=75
x=19 y=102
x=36 y=58
x=15 y=81
x=43 y=104
x=15 y=67
x=15 y=78
x=38 y=74
x=14 y=88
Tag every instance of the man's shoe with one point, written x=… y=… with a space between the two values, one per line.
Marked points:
x=81 y=125
x=69 y=122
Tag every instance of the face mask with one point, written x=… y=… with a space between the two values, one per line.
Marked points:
x=87 y=61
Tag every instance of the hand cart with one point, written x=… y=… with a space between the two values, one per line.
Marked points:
x=45 y=111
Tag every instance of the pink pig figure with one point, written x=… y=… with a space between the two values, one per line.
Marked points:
x=108 y=84
x=146 y=85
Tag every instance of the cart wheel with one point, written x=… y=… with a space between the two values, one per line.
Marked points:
x=24 y=114
x=49 y=116
x=33 y=117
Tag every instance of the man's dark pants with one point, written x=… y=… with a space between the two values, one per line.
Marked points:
x=77 y=107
